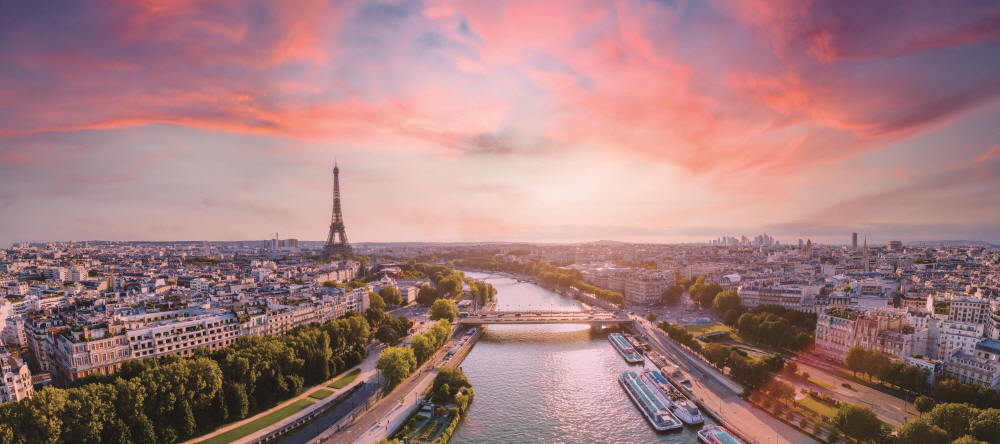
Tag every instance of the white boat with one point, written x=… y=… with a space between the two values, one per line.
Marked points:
x=679 y=405
x=651 y=402
x=625 y=349
x=713 y=434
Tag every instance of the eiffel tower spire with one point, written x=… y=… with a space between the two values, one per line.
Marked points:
x=336 y=242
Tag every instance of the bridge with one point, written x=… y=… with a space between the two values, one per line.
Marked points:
x=545 y=317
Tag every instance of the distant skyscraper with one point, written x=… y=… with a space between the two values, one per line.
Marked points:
x=854 y=240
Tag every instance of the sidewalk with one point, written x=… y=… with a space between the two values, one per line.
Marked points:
x=367 y=370
x=397 y=417
x=372 y=426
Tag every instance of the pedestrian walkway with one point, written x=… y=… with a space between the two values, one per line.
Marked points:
x=397 y=417
x=385 y=418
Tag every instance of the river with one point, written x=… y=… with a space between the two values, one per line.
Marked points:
x=550 y=383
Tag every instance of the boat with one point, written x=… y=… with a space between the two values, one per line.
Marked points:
x=651 y=402
x=713 y=434
x=679 y=405
x=625 y=349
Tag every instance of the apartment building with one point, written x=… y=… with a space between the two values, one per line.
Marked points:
x=15 y=378
x=981 y=367
x=837 y=330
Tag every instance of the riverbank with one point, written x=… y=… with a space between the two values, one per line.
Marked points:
x=387 y=415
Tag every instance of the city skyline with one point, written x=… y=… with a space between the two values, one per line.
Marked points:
x=548 y=121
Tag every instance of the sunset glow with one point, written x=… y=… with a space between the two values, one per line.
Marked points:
x=545 y=121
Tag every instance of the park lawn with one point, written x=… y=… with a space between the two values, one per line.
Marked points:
x=346 y=379
x=735 y=336
x=818 y=407
x=259 y=423
x=700 y=329
x=320 y=394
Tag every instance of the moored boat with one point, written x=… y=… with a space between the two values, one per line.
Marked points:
x=625 y=349
x=713 y=434
x=650 y=402
x=679 y=405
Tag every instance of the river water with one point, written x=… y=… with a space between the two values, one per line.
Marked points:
x=550 y=383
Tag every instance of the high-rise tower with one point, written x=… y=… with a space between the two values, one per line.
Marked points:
x=336 y=242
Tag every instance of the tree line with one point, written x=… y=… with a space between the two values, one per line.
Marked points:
x=171 y=399
x=954 y=423
x=874 y=363
x=775 y=326
x=398 y=363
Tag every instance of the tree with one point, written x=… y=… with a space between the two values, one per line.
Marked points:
x=391 y=295
x=858 y=422
x=422 y=347
x=954 y=418
x=792 y=367
x=387 y=334
x=331 y=284
x=986 y=426
x=726 y=300
x=451 y=285
x=921 y=431
x=427 y=295
x=855 y=359
x=709 y=293
x=444 y=309
x=923 y=404
x=672 y=295
x=396 y=364
x=375 y=301
x=730 y=318
x=651 y=317
x=93 y=272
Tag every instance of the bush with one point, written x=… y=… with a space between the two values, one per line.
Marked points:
x=833 y=436
x=449 y=430
x=817 y=429
x=804 y=423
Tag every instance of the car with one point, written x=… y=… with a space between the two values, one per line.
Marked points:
x=846 y=385
x=482 y=316
x=501 y=314
x=631 y=312
x=517 y=314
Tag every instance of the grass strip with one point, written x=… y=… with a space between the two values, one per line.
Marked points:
x=259 y=423
x=320 y=394
x=346 y=379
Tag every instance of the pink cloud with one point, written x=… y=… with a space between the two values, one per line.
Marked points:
x=815 y=82
x=992 y=152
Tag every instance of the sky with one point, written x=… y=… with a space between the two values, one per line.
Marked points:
x=535 y=121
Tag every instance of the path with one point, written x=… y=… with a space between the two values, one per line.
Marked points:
x=367 y=371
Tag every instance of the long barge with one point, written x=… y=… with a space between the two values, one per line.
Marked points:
x=650 y=402
x=679 y=405
x=625 y=349
x=713 y=434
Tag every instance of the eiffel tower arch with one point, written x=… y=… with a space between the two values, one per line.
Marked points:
x=336 y=241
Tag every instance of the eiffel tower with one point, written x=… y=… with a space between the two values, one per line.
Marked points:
x=337 y=247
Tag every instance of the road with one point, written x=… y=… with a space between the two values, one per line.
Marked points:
x=407 y=392
x=313 y=430
x=545 y=317
x=717 y=392
x=887 y=406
